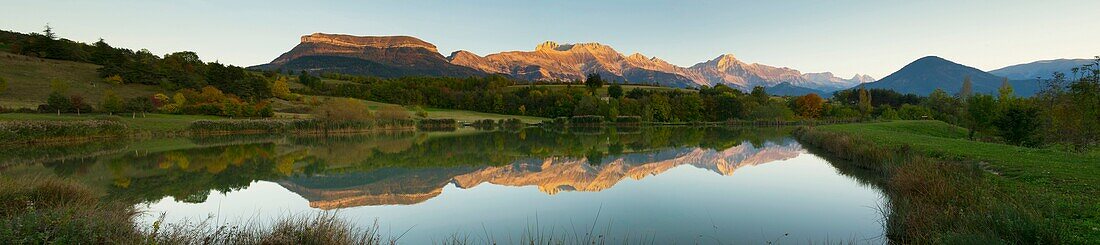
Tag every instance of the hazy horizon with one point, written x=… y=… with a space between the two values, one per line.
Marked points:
x=845 y=37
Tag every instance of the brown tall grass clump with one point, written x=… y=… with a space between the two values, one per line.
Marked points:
x=342 y=109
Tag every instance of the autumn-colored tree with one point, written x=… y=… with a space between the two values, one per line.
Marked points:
x=78 y=104
x=281 y=89
x=116 y=79
x=111 y=103
x=809 y=105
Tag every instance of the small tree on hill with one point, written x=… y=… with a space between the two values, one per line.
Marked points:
x=111 y=103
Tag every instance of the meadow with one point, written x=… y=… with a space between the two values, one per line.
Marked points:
x=945 y=188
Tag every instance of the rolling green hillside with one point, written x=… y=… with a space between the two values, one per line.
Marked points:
x=29 y=81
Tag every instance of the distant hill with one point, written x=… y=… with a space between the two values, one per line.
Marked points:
x=787 y=89
x=1043 y=69
x=392 y=56
x=929 y=73
x=29 y=81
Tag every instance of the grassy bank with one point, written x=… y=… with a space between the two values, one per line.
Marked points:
x=47 y=210
x=945 y=188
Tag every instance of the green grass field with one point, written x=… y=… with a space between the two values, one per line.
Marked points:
x=602 y=91
x=29 y=81
x=1072 y=180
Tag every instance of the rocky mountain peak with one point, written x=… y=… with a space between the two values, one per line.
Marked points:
x=862 y=78
x=725 y=60
x=547 y=46
x=381 y=42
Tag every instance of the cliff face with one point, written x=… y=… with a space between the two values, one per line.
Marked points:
x=567 y=62
x=386 y=56
x=551 y=175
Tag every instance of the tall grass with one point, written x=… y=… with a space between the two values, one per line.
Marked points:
x=303 y=126
x=48 y=210
x=939 y=201
x=29 y=131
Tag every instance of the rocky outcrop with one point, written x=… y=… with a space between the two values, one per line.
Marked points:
x=383 y=56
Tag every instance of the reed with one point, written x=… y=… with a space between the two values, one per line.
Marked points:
x=31 y=131
x=295 y=126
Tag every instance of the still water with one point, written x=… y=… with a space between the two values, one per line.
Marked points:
x=655 y=185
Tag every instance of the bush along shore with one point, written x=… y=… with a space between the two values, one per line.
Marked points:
x=21 y=132
x=297 y=126
x=17 y=132
x=943 y=201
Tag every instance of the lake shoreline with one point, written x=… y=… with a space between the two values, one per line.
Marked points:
x=937 y=197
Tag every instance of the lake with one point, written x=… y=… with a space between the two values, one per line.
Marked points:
x=651 y=184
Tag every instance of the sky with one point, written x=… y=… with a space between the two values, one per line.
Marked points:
x=841 y=36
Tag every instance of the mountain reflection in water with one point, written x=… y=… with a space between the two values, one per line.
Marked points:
x=674 y=183
x=400 y=168
x=551 y=175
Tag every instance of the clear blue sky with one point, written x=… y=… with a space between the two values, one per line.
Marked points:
x=845 y=37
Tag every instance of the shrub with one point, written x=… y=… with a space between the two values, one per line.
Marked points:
x=437 y=124
x=586 y=120
x=511 y=123
x=342 y=110
x=485 y=124
x=628 y=120
x=392 y=112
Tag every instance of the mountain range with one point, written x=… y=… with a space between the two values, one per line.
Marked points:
x=394 y=56
x=1043 y=69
